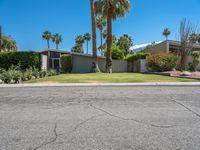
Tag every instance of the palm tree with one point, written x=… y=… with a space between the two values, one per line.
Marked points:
x=94 y=40
x=111 y=9
x=101 y=22
x=87 y=38
x=166 y=33
x=57 y=39
x=47 y=36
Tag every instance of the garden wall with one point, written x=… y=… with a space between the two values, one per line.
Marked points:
x=83 y=64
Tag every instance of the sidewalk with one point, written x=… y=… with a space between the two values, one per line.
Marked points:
x=101 y=84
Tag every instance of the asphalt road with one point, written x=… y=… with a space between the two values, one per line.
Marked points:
x=100 y=118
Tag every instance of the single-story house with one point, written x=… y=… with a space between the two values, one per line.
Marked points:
x=82 y=63
x=164 y=46
x=168 y=46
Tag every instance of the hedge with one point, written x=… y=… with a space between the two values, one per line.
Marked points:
x=136 y=56
x=66 y=63
x=23 y=59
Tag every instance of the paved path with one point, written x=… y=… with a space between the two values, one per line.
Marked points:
x=100 y=118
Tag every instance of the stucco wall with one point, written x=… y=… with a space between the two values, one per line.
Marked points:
x=158 y=47
x=83 y=64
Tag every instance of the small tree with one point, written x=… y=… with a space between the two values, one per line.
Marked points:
x=196 y=60
x=186 y=29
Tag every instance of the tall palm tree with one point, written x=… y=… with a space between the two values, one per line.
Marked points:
x=111 y=9
x=166 y=33
x=47 y=36
x=94 y=40
x=101 y=23
x=87 y=38
x=57 y=39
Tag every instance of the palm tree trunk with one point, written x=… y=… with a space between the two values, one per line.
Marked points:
x=56 y=46
x=109 y=40
x=87 y=47
x=101 y=36
x=94 y=42
x=48 y=44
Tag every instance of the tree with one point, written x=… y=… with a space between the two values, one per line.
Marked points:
x=94 y=40
x=193 y=38
x=166 y=33
x=125 y=42
x=57 y=39
x=111 y=9
x=87 y=38
x=8 y=44
x=47 y=36
x=78 y=48
x=101 y=23
x=186 y=29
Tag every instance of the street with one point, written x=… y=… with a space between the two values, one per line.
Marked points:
x=100 y=118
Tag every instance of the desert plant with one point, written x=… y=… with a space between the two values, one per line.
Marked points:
x=196 y=60
x=42 y=74
x=6 y=77
x=52 y=72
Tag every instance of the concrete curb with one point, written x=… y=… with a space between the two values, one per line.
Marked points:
x=99 y=84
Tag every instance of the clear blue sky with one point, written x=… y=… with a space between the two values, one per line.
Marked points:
x=25 y=20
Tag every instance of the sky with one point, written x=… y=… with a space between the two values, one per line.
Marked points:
x=25 y=20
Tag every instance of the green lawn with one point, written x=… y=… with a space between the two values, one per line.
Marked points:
x=109 y=78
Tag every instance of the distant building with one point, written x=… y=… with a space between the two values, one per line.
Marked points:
x=167 y=46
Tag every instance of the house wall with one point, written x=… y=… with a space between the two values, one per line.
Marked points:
x=83 y=64
x=164 y=47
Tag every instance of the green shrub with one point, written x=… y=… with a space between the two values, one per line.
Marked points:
x=196 y=61
x=23 y=59
x=24 y=76
x=161 y=62
x=29 y=73
x=35 y=72
x=13 y=73
x=66 y=63
x=52 y=72
x=43 y=74
x=136 y=56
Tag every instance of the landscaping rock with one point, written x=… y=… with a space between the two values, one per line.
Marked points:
x=186 y=73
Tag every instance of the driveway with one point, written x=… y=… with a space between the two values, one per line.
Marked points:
x=100 y=118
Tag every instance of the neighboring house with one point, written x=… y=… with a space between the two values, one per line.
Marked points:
x=82 y=63
x=164 y=46
x=168 y=46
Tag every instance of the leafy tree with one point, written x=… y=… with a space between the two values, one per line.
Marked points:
x=57 y=39
x=111 y=9
x=47 y=36
x=8 y=44
x=77 y=49
x=125 y=42
x=117 y=52
x=101 y=23
x=166 y=33
x=87 y=38
x=194 y=38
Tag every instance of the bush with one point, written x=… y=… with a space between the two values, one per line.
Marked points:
x=42 y=74
x=161 y=62
x=24 y=59
x=66 y=63
x=29 y=73
x=35 y=72
x=136 y=56
x=196 y=61
x=52 y=72
x=6 y=77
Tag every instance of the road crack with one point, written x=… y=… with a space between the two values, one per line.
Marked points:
x=51 y=141
x=131 y=119
x=187 y=108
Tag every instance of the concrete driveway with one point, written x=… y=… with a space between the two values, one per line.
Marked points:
x=100 y=118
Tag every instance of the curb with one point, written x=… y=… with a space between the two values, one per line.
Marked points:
x=100 y=84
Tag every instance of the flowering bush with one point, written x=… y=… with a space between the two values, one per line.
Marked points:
x=161 y=62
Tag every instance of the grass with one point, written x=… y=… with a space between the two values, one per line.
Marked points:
x=109 y=78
